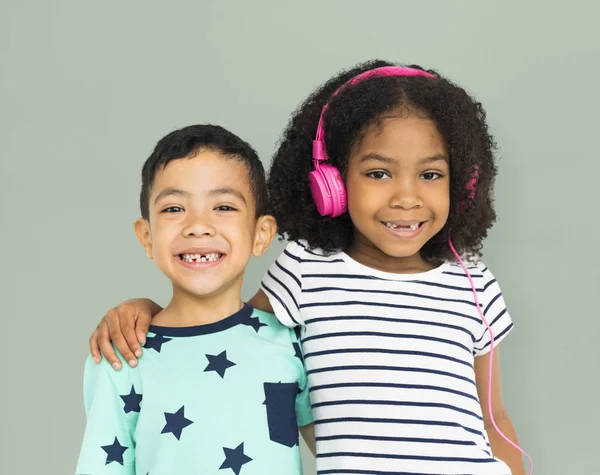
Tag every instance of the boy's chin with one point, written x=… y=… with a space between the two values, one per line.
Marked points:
x=207 y=288
x=201 y=291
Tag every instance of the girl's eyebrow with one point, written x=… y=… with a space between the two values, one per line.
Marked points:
x=377 y=158
x=434 y=158
x=387 y=160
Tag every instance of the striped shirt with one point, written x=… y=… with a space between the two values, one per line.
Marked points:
x=390 y=360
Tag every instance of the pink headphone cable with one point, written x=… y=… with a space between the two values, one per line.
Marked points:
x=491 y=358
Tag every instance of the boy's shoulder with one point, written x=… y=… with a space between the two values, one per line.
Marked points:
x=276 y=329
x=268 y=319
x=262 y=315
x=103 y=373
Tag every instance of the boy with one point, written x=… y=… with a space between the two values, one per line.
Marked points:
x=221 y=387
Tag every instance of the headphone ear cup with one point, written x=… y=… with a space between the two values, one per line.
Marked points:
x=338 y=190
x=323 y=201
x=325 y=178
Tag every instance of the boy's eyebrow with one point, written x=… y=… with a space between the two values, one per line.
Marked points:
x=227 y=191
x=171 y=191
x=380 y=158
x=215 y=192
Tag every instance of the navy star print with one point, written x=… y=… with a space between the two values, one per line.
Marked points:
x=235 y=458
x=218 y=363
x=156 y=342
x=298 y=352
x=176 y=423
x=255 y=323
x=132 y=401
x=114 y=452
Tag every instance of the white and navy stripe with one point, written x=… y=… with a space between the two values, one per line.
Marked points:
x=390 y=359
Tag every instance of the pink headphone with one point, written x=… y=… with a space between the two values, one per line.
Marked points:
x=325 y=181
x=329 y=194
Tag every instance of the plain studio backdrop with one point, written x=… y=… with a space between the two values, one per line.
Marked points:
x=87 y=88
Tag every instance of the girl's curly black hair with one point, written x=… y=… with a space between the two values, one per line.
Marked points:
x=460 y=120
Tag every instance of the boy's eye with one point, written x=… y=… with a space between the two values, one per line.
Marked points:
x=431 y=176
x=378 y=175
x=173 y=209
x=225 y=208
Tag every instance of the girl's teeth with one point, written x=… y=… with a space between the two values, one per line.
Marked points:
x=412 y=227
x=201 y=257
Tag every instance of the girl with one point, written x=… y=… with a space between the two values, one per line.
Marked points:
x=397 y=331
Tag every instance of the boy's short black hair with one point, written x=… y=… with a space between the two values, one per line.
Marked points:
x=460 y=119
x=189 y=140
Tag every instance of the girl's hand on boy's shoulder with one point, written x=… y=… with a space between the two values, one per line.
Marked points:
x=125 y=326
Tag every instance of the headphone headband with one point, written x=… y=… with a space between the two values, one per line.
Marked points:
x=319 y=150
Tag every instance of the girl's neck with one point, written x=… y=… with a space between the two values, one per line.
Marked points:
x=186 y=309
x=371 y=256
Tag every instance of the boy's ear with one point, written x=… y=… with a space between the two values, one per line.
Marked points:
x=142 y=231
x=266 y=228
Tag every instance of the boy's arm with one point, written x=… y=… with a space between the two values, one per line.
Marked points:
x=112 y=405
x=500 y=447
x=125 y=326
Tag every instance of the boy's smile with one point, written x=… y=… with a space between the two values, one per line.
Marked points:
x=200 y=257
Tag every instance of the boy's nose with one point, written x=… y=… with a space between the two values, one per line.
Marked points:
x=199 y=226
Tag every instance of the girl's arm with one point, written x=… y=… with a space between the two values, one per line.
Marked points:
x=125 y=326
x=500 y=447
x=308 y=434
x=261 y=302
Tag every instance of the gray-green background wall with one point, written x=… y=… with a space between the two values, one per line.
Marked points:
x=87 y=88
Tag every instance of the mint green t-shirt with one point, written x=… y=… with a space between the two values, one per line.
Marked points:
x=224 y=398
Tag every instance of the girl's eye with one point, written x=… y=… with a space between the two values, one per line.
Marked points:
x=431 y=176
x=378 y=175
x=173 y=209
x=225 y=208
